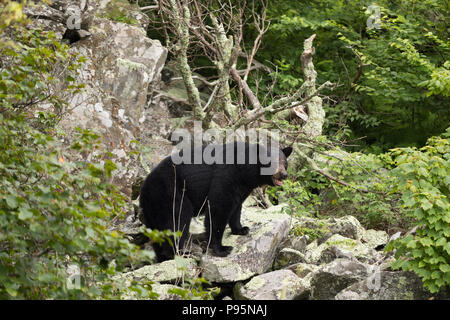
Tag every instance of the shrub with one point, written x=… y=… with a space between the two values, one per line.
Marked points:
x=424 y=181
x=54 y=213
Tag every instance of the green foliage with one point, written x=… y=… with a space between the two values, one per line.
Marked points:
x=313 y=233
x=192 y=288
x=55 y=213
x=393 y=81
x=423 y=179
x=370 y=197
x=118 y=10
x=298 y=195
x=32 y=63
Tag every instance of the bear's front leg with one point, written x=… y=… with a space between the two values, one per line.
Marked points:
x=235 y=222
x=215 y=223
x=221 y=203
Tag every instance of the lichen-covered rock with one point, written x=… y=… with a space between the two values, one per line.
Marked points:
x=167 y=271
x=288 y=256
x=160 y=292
x=338 y=246
x=374 y=238
x=275 y=285
x=303 y=269
x=347 y=226
x=397 y=285
x=252 y=254
x=121 y=63
x=335 y=276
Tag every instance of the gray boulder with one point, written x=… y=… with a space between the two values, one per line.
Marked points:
x=386 y=285
x=173 y=271
x=335 y=276
x=347 y=226
x=374 y=238
x=338 y=246
x=275 y=285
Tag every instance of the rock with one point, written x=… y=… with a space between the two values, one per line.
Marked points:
x=288 y=256
x=252 y=254
x=398 y=285
x=338 y=246
x=121 y=63
x=167 y=271
x=275 y=285
x=300 y=244
x=303 y=269
x=161 y=292
x=374 y=238
x=123 y=10
x=335 y=276
x=347 y=226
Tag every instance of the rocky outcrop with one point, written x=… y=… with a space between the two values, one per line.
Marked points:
x=121 y=64
x=338 y=246
x=271 y=263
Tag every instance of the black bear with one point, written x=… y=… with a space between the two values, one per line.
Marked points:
x=176 y=190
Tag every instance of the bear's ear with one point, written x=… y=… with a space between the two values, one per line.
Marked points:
x=287 y=151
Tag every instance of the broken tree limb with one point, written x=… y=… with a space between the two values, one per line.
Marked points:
x=279 y=105
x=308 y=91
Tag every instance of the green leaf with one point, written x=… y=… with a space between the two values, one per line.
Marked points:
x=444 y=267
x=441 y=242
x=426 y=242
x=411 y=244
x=426 y=205
x=25 y=214
x=11 y=201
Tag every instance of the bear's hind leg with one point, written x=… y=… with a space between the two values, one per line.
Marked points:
x=179 y=220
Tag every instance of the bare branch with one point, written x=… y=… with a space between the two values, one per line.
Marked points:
x=246 y=89
x=281 y=104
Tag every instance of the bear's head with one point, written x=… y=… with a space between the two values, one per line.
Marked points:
x=281 y=166
x=274 y=164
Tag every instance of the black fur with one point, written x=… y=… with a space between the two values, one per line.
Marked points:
x=173 y=194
